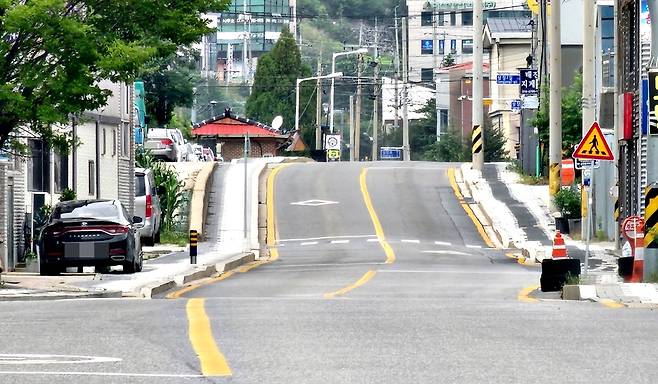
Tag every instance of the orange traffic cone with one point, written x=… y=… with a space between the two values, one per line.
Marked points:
x=559 y=248
x=638 y=259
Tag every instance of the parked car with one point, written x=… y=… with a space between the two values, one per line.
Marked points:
x=198 y=151
x=147 y=206
x=166 y=144
x=191 y=152
x=208 y=154
x=95 y=233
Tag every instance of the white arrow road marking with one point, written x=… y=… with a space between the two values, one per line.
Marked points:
x=24 y=359
x=314 y=203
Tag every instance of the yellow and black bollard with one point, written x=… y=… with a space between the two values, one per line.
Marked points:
x=651 y=232
x=194 y=242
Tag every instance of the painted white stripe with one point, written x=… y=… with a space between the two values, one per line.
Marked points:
x=339 y=241
x=115 y=374
x=372 y=240
x=474 y=246
x=309 y=243
x=411 y=241
x=446 y=252
x=328 y=238
x=284 y=266
x=525 y=273
x=442 y=243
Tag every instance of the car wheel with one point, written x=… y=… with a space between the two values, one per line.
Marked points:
x=140 y=264
x=49 y=270
x=129 y=267
x=156 y=237
x=149 y=241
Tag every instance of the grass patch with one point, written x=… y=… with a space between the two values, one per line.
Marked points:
x=532 y=180
x=572 y=280
x=174 y=237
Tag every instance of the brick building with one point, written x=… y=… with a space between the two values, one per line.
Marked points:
x=226 y=133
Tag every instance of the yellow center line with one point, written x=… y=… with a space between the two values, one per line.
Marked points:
x=525 y=292
x=467 y=208
x=390 y=255
x=612 y=304
x=364 y=279
x=213 y=362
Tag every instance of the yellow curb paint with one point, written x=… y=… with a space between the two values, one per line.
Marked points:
x=525 y=292
x=467 y=208
x=213 y=362
x=271 y=223
x=364 y=279
x=612 y=304
x=390 y=255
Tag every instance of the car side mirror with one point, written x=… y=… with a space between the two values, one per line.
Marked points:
x=137 y=220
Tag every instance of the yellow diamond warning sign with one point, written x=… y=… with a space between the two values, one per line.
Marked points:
x=594 y=146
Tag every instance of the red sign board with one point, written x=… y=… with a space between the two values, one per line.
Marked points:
x=633 y=228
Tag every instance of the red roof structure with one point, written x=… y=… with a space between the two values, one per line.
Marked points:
x=229 y=125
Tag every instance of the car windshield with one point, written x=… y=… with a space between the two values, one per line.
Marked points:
x=99 y=210
x=140 y=185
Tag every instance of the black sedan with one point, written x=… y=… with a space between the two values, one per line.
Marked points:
x=95 y=233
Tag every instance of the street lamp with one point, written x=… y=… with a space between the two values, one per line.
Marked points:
x=333 y=82
x=331 y=76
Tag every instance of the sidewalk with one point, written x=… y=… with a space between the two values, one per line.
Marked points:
x=520 y=217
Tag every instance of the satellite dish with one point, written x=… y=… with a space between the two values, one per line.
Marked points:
x=277 y=122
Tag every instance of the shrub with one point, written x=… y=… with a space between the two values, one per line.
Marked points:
x=567 y=200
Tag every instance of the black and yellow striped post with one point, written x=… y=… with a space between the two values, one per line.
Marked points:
x=478 y=141
x=194 y=242
x=651 y=232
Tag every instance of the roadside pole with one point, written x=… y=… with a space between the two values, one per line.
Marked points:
x=555 y=100
x=588 y=226
x=588 y=100
x=375 y=106
x=435 y=56
x=318 y=106
x=406 y=148
x=357 y=113
x=396 y=121
x=245 y=212
x=651 y=192
x=194 y=241
x=478 y=89
x=351 y=127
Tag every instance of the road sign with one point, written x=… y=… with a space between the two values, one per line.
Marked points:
x=633 y=228
x=333 y=154
x=332 y=142
x=594 y=145
x=506 y=78
x=516 y=105
x=528 y=84
x=390 y=153
x=586 y=164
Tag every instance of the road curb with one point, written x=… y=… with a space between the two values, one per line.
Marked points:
x=197 y=274
x=46 y=296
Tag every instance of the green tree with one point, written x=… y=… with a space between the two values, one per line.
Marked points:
x=55 y=52
x=169 y=84
x=273 y=92
x=448 y=60
x=571 y=116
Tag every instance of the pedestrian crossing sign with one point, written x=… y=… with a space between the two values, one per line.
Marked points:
x=594 y=145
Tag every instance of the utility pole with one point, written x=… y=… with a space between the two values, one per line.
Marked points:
x=244 y=43
x=406 y=149
x=478 y=89
x=357 y=113
x=588 y=100
x=435 y=56
x=351 y=128
x=318 y=106
x=397 y=72
x=375 y=105
x=555 y=100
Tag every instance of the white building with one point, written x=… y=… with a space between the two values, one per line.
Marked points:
x=101 y=166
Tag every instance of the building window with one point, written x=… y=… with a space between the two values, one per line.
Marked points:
x=453 y=46
x=38 y=166
x=467 y=18
x=104 y=143
x=607 y=29
x=443 y=115
x=61 y=168
x=467 y=46
x=125 y=139
x=92 y=178
x=426 y=47
x=453 y=18
x=425 y=19
x=440 y=18
x=426 y=74
x=114 y=142
x=442 y=47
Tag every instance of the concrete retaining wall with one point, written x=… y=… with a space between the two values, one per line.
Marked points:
x=200 y=197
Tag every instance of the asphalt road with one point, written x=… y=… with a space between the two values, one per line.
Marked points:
x=381 y=277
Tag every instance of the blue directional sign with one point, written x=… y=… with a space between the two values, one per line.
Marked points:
x=516 y=105
x=529 y=83
x=507 y=78
x=390 y=153
x=427 y=46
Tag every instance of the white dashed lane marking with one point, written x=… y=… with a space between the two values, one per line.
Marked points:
x=339 y=241
x=309 y=243
x=442 y=243
x=473 y=246
x=411 y=241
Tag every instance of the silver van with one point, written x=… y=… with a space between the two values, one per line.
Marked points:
x=147 y=206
